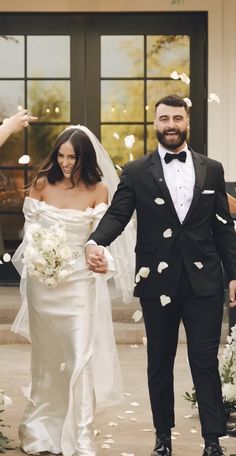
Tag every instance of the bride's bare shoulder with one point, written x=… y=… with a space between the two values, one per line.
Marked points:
x=38 y=188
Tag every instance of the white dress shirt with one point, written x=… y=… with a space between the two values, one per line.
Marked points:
x=180 y=179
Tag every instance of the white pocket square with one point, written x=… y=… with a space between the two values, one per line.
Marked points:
x=208 y=192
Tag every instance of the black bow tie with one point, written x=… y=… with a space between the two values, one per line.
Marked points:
x=181 y=156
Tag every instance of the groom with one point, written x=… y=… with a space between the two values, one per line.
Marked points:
x=184 y=232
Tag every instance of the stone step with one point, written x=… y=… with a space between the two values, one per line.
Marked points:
x=125 y=333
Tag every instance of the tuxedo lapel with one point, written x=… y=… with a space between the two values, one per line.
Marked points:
x=200 y=174
x=157 y=172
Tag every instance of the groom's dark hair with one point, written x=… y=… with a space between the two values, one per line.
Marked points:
x=173 y=100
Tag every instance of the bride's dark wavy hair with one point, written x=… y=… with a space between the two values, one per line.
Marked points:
x=85 y=169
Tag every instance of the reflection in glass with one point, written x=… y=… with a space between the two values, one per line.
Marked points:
x=11 y=96
x=112 y=138
x=48 y=56
x=49 y=100
x=11 y=189
x=11 y=56
x=122 y=101
x=12 y=149
x=41 y=141
x=122 y=56
x=159 y=89
x=167 y=53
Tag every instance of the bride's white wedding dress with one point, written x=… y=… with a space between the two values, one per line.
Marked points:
x=74 y=360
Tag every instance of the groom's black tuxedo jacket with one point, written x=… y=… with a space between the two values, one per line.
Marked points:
x=204 y=239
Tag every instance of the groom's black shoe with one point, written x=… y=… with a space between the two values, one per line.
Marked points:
x=213 y=449
x=162 y=446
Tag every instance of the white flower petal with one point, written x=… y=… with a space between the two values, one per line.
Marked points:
x=188 y=416
x=146 y=430
x=175 y=433
x=165 y=300
x=133 y=419
x=167 y=233
x=194 y=431
x=137 y=278
x=109 y=441
x=127 y=454
x=113 y=424
x=174 y=75
x=198 y=264
x=96 y=432
x=188 y=102
x=127 y=394
x=144 y=341
x=159 y=201
x=62 y=367
x=121 y=417
x=173 y=437
x=24 y=159
x=108 y=436
x=129 y=141
x=137 y=315
x=129 y=411
x=213 y=97
x=221 y=219
x=144 y=272
x=134 y=404
x=184 y=78
x=161 y=266
x=134 y=346
x=105 y=445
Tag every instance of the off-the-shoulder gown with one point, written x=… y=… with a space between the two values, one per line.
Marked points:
x=74 y=360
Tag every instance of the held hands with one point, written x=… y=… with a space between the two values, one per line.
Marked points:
x=232 y=293
x=95 y=258
x=18 y=121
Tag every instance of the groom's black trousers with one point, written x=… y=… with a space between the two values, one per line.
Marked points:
x=202 y=318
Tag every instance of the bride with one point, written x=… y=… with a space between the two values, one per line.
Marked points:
x=74 y=362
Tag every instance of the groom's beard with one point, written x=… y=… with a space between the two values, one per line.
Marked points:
x=172 y=143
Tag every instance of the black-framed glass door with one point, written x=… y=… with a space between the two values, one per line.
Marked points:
x=102 y=70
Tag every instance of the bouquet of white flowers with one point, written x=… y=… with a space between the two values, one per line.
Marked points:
x=227 y=376
x=47 y=257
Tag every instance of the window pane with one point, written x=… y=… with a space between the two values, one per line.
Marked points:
x=41 y=141
x=122 y=101
x=11 y=56
x=49 y=100
x=152 y=141
x=11 y=227
x=159 y=89
x=11 y=96
x=48 y=56
x=167 y=53
x=113 y=136
x=12 y=149
x=11 y=189
x=122 y=56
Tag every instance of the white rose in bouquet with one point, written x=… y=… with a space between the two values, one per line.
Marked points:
x=47 y=256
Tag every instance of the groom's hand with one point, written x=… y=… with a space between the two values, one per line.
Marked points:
x=232 y=293
x=95 y=258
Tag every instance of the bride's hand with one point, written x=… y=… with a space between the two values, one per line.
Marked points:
x=95 y=258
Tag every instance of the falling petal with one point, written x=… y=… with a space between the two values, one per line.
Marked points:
x=96 y=432
x=198 y=264
x=131 y=157
x=6 y=257
x=118 y=167
x=108 y=436
x=116 y=136
x=221 y=219
x=174 y=75
x=121 y=417
x=137 y=315
x=134 y=346
x=112 y=424
x=62 y=367
x=133 y=419
x=109 y=441
x=175 y=433
x=188 y=416
x=184 y=78
x=137 y=278
x=188 y=102
x=127 y=454
x=1 y=262
x=159 y=201
x=213 y=97
x=105 y=445
x=24 y=159
x=127 y=394
x=144 y=341
x=146 y=430
x=129 y=141
x=134 y=404
x=167 y=233
x=173 y=437
x=129 y=411
x=194 y=431
x=144 y=272
x=161 y=266
x=165 y=300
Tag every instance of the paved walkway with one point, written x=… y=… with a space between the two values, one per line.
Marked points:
x=131 y=432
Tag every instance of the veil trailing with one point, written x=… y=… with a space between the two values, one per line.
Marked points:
x=122 y=249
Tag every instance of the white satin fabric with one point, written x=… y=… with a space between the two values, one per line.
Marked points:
x=74 y=359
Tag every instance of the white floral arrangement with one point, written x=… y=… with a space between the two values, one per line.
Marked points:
x=47 y=256
x=5 y=442
x=227 y=376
